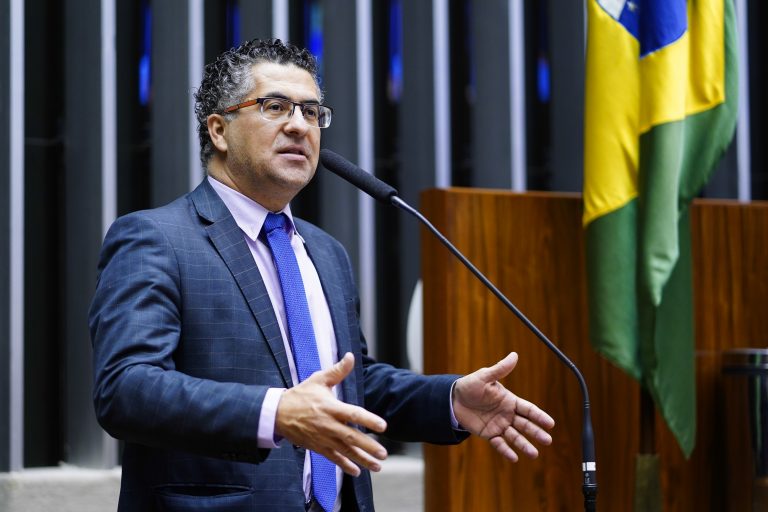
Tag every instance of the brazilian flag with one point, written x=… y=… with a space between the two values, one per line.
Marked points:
x=660 y=111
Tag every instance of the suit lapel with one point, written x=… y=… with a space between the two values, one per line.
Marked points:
x=229 y=241
x=328 y=270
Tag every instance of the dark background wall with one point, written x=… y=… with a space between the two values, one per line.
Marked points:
x=107 y=130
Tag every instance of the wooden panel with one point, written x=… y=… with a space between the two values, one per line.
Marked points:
x=531 y=246
x=730 y=276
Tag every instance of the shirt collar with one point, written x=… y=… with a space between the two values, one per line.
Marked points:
x=248 y=214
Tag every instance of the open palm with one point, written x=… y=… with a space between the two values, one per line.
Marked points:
x=484 y=407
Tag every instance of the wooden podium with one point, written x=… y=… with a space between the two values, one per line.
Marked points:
x=532 y=247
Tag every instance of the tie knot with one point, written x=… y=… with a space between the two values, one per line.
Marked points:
x=276 y=221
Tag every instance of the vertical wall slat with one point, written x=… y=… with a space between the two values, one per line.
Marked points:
x=280 y=20
x=16 y=189
x=365 y=150
x=442 y=95
x=171 y=92
x=195 y=56
x=516 y=30
x=337 y=200
x=256 y=19
x=566 y=43
x=491 y=136
x=416 y=164
x=108 y=155
x=744 y=164
x=5 y=246
x=12 y=245
x=84 y=160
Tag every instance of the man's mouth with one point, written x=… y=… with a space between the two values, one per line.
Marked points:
x=293 y=150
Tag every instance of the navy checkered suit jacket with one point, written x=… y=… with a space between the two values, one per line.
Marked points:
x=185 y=346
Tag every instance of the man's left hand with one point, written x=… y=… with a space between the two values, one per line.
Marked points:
x=484 y=407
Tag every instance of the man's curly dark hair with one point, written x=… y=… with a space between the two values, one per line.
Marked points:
x=228 y=79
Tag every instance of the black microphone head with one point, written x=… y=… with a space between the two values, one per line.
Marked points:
x=366 y=182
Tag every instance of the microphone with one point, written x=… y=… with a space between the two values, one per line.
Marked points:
x=366 y=182
x=388 y=194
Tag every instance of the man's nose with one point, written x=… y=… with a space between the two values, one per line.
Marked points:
x=296 y=120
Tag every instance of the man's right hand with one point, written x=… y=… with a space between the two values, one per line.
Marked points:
x=309 y=415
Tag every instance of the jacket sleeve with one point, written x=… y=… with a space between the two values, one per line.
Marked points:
x=135 y=325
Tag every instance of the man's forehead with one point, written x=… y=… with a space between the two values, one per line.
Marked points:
x=286 y=79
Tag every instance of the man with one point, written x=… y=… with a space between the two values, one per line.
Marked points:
x=227 y=349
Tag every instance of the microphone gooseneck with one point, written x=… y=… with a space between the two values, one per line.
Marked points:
x=387 y=194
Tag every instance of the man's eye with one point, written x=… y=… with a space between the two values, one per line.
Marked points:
x=311 y=112
x=275 y=106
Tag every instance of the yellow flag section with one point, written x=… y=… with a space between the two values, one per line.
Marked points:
x=611 y=114
x=660 y=111
x=626 y=95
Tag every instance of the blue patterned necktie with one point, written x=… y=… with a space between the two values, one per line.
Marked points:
x=302 y=337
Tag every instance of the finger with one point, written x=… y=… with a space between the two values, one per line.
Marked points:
x=502 y=368
x=532 y=431
x=344 y=463
x=352 y=448
x=356 y=415
x=503 y=448
x=350 y=441
x=336 y=373
x=361 y=457
x=519 y=441
x=534 y=413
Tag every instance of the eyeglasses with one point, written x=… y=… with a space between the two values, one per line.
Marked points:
x=281 y=109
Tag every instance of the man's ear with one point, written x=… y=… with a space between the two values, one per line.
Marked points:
x=217 y=126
